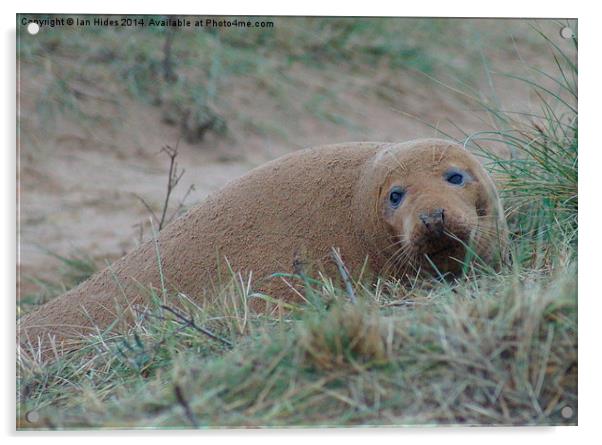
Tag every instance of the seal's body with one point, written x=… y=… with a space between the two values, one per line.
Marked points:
x=389 y=208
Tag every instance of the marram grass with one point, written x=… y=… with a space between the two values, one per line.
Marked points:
x=500 y=350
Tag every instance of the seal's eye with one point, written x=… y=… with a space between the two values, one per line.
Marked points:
x=396 y=196
x=455 y=178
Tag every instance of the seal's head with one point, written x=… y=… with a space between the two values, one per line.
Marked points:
x=435 y=206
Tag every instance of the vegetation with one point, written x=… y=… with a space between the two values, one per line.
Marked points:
x=487 y=348
x=184 y=71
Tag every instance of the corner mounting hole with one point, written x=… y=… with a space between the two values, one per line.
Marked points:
x=566 y=33
x=33 y=28
x=566 y=412
x=32 y=416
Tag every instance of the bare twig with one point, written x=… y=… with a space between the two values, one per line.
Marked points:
x=152 y=351
x=184 y=404
x=173 y=178
x=148 y=207
x=336 y=254
x=181 y=318
x=181 y=204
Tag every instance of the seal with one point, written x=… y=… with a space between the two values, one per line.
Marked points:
x=395 y=209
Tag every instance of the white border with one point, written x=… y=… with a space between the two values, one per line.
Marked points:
x=590 y=216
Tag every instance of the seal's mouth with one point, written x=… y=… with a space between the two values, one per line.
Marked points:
x=441 y=253
x=447 y=250
x=434 y=244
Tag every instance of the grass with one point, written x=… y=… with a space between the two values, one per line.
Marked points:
x=488 y=348
x=499 y=350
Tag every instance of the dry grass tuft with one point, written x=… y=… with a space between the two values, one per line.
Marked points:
x=346 y=335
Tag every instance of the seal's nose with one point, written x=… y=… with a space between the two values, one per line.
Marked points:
x=434 y=221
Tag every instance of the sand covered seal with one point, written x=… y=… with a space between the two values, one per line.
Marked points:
x=391 y=208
